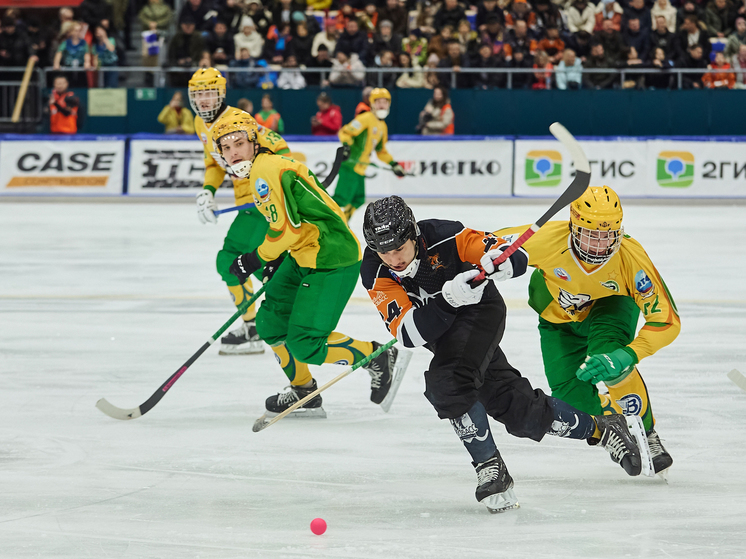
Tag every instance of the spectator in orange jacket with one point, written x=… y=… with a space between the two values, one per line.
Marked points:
x=364 y=105
x=328 y=120
x=63 y=108
x=719 y=80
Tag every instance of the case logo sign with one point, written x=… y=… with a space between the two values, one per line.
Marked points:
x=675 y=169
x=543 y=168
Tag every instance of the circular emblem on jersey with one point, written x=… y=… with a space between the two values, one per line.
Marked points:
x=631 y=404
x=643 y=284
x=562 y=274
x=204 y=137
x=262 y=189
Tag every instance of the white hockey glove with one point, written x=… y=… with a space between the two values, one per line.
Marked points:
x=458 y=292
x=505 y=270
x=206 y=207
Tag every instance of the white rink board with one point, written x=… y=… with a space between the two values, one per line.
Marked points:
x=448 y=169
x=62 y=167
x=644 y=168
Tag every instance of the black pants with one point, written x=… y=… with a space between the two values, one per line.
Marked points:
x=469 y=366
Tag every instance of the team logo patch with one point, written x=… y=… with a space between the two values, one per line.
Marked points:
x=562 y=274
x=611 y=284
x=631 y=404
x=435 y=262
x=204 y=137
x=262 y=189
x=643 y=284
x=342 y=362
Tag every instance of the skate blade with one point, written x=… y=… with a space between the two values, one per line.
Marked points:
x=300 y=413
x=637 y=430
x=663 y=474
x=253 y=348
x=501 y=502
x=400 y=368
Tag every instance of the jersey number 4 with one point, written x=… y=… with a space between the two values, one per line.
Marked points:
x=393 y=310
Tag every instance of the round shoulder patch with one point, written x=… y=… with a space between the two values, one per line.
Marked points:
x=562 y=274
x=204 y=137
x=262 y=189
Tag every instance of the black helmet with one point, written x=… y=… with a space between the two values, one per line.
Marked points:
x=388 y=224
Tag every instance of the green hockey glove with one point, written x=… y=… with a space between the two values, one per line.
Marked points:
x=607 y=367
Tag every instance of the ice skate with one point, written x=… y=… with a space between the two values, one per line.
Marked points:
x=661 y=458
x=619 y=442
x=494 y=485
x=278 y=403
x=386 y=373
x=242 y=341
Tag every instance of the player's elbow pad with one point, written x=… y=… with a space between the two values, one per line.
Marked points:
x=519 y=260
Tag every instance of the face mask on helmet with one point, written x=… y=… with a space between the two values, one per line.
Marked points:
x=207 y=102
x=241 y=169
x=595 y=246
x=596 y=225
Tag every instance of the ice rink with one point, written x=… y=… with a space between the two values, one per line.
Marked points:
x=109 y=299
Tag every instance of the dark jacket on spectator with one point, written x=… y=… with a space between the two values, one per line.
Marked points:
x=643 y=14
x=613 y=43
x=357 y=43
x=689 y=80
x=314 y=78
x=462 y=80
x=582 y=49
x=550 y=17
x=398 y=18
x=639 y=40
x=485 y=80
x=448 y=17
x=247 y=79
x=598 y=81
x=301 y=48
x=185 y=46
x=522 y=80
x=665 y=41
x=682 y=44
x=720 y=21
x=93 y=11
x=483 y=13
x=17 y=48
x=277 y=12
x=681 y=13
x=231 y=16
x=664 y=79
x=393 y=44
x=40 y=41
x=201 y=21
x=225 y=42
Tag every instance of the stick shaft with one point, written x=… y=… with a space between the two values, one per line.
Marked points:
x=22 y=91
x=234 y=209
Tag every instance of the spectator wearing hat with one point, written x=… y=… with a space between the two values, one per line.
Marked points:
x=581 y=16
x=568 y=74
x=328 y=120
x=347 y=69
x=220 y=44
x=455 y=61
x=197 y=12
x=353 y=41
x=158 y=12
x=598 y=60
x=521 y=11
x=662 y=38
x=690 y=34
x=249 y=38
x=321 y=60
x=416 y=46
x=612 y=42
x=736 y=39
x=327 y=37
x=450 y=13
x=485 y=9
x=664 y=9
x=634 y=37
x=720 y=17
x=608 y=9
x=723 y=78
x=394 y=12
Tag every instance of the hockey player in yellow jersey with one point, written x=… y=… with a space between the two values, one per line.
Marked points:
x=207 y=89
x=364 y=134
x=590 y=285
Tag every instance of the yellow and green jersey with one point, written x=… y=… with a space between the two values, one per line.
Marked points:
x=302 y=216
x=216 y=167
x=563 y=288
x=364 y=134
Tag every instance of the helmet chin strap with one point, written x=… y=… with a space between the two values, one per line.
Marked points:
x=411 y=270
x=242 y=169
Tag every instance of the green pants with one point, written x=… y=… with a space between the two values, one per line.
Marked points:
x=611 y=324
x=302 y=307
x=245 y=234
x=350 y=188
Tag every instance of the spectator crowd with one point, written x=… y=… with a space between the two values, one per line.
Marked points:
x=553 y=41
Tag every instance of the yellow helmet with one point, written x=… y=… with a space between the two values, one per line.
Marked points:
x=379 y=93
x=235 y=122
x=596 y=224
x=207 y=93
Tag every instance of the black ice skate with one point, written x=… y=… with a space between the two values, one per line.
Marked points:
x=661 y=458
x=278 y=403
x=386 y=373
x=494 y=485
x=619 y=442
x=242 y=341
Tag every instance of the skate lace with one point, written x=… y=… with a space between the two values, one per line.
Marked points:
x=489 y=473
x=375 y=378
x=287 y=397
x=654 y=442
x=241 y=332
x=616 y=447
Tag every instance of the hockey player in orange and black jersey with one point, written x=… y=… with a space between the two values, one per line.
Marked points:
x=417 y=275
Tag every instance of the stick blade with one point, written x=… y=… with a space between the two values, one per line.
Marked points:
x=571 y=144
x=738 y=379
x=117 y=413
x=400 y=368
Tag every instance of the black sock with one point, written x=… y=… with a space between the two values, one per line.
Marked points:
x=570 y=422
x=473 y=429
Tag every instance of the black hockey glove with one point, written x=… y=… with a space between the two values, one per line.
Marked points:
x=345 y=152
x=245 y=265
x=398 y=169
x=271 y=267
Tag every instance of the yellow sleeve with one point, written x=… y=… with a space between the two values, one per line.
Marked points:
x=662 y=322
x=352 y=129
x=381 y=150
x=214 y=173
x=284 y=228
x=163 y=116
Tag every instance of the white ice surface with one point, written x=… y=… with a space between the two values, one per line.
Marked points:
x=107 y=300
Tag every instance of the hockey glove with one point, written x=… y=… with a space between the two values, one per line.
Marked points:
x=206 y=207
x=245 y=265
x=513 y=267
x=345 y=152
x=398 y=169
x=271 y=267
x=458 y=292
x=609 y=367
